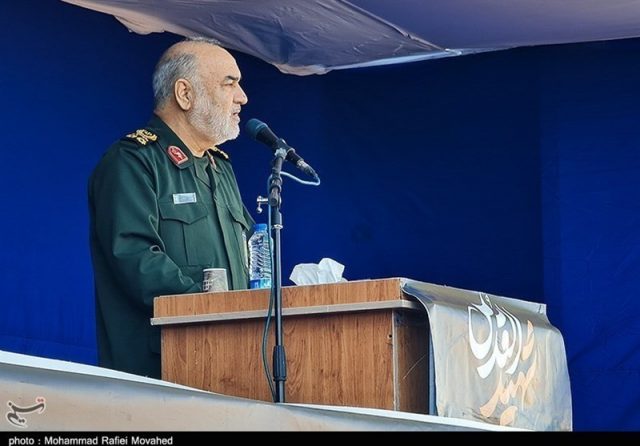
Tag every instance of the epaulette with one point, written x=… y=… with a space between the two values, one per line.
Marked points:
x=222 y=154
x=143 y=136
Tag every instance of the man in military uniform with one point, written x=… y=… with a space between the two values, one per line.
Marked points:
x=164 y=203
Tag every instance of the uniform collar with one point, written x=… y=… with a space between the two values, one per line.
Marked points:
x=173 y=147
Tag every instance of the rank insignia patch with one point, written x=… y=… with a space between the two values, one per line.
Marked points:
x=177 y=155
x=143 y=136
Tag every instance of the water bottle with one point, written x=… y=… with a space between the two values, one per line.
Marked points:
x=260 y=257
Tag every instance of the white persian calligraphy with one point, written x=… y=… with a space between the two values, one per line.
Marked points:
x=495 y=337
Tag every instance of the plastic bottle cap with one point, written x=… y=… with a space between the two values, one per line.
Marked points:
x=260 y=227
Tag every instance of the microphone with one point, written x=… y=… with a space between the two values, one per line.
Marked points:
x=262 y=133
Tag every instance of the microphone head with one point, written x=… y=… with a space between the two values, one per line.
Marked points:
x=253 y=126
x=261 y=132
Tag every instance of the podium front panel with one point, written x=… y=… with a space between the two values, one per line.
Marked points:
x=359 y=344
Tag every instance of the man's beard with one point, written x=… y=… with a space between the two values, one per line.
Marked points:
x=209 y=119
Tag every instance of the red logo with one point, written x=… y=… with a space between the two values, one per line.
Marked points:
x=176 y=155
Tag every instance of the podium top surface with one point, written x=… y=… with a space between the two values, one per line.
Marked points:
x=379 y=293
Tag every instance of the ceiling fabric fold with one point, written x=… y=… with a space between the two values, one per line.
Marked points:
x=302 y=37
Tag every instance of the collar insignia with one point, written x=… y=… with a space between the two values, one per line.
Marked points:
x=219 y=153
x=177 y=155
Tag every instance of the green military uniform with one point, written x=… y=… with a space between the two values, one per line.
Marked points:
x=159 y=216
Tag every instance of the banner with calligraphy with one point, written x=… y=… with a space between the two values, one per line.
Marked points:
x=496 y=359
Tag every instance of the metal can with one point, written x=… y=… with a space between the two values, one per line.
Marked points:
x=215 y=280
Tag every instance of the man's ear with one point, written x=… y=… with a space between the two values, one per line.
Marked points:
x=183 y=92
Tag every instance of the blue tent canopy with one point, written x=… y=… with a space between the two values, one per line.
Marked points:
x=302 y=37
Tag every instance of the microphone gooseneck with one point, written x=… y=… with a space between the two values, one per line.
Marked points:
x=261 y=132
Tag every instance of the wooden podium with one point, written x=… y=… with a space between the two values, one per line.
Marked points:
x=361 y=343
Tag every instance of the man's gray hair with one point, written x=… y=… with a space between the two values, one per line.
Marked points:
x=174 y=65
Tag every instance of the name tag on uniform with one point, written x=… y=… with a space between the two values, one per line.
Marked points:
x=184 y=198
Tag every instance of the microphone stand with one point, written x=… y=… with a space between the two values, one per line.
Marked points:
x=279 y=356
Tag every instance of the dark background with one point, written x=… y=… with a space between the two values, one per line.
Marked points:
x=515 y=173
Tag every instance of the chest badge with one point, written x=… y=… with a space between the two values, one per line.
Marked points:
x=185 y=198
x=176 y=155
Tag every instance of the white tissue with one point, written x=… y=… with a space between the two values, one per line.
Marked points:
x=327 y=271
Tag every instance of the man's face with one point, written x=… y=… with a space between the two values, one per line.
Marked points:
x=218 y=97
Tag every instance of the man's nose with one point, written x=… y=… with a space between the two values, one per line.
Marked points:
x=241 y=96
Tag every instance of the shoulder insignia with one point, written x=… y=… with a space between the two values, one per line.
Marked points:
x=143 y=136
x=177 y=155
x=220 y=153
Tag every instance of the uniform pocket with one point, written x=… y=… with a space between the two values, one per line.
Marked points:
x=187 y=213
x=238 y=217
x=182 y=226
x=241 y=228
